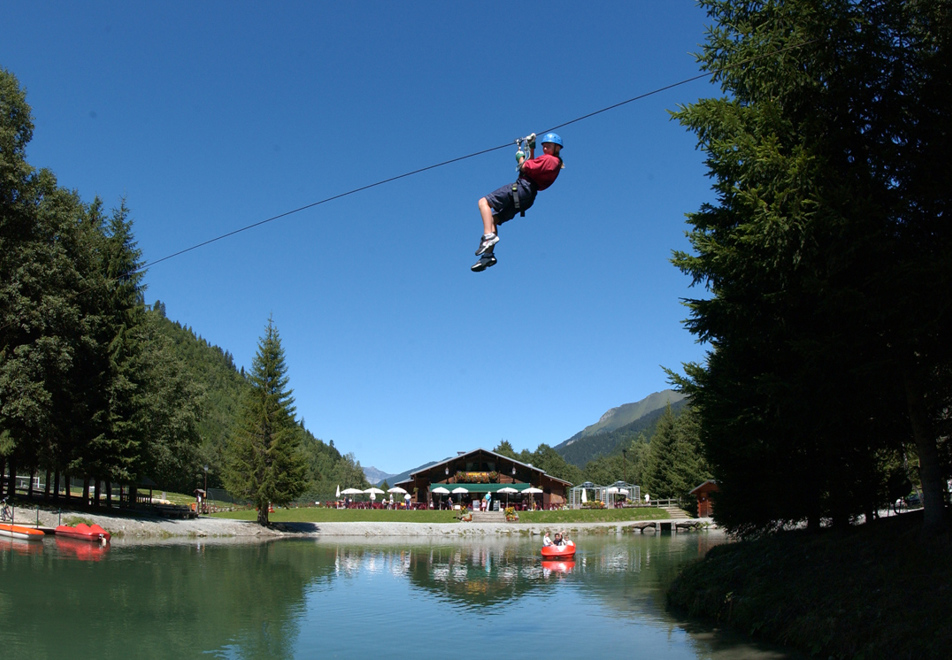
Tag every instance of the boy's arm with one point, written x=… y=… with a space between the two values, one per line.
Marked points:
x=531 y=142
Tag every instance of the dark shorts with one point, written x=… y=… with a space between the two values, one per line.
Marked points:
x=500 y=200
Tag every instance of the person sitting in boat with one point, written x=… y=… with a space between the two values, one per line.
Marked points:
x=558 y=540
x=546 y=541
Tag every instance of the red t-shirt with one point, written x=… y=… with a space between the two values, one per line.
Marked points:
x=542 y=170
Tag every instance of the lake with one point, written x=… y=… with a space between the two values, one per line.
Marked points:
x=344 y=597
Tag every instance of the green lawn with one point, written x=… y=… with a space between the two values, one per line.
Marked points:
x=319 y=515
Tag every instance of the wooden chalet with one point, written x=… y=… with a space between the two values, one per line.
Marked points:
x=481 y=472
x=705 y=508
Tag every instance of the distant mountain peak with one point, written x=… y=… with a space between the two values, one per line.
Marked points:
x=376 y=476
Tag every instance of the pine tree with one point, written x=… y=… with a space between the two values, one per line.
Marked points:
x=264 y=459
x=826 y=256
x=674 y=464
x=42 y=249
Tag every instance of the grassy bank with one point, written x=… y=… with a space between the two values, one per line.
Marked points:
x=319 y=515
x=876 y=591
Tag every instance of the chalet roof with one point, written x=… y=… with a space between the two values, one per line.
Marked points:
x=709 y=481
x=464 y=455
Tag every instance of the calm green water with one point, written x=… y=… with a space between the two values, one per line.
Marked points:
x=454 y=598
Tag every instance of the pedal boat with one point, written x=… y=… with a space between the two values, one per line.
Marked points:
x=84 y=532
x=21 y=532
x=567 y=550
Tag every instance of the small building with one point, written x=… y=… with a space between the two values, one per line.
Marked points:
x=481 y=472
x=705 y=508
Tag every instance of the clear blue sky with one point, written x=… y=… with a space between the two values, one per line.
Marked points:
x=210 y=116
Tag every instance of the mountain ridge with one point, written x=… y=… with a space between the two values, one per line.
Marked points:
x=618 y=427
x=615 y=418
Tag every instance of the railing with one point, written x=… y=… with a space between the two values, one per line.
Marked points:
x=640 y=504
x=672 y=501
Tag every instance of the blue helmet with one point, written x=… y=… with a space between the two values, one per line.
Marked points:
x=553 y=138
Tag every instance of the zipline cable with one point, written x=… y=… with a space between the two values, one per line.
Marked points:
x=467 y=156
x=318 y=203
x=446 y=162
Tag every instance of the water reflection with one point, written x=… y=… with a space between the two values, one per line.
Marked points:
x=344 y=598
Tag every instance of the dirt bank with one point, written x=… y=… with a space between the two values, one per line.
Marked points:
x=131 y=528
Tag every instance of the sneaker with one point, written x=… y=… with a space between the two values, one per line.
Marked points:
x=486 y=243
x=485 y=262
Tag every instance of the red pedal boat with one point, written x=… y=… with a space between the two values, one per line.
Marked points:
x=566 y=550
x=93 y=533
x=21 y=532
x=81 y=548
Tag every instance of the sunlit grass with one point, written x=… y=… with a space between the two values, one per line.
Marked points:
x=320 y=514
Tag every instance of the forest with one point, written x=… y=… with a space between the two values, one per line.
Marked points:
x=95 y=385
x=823 y=262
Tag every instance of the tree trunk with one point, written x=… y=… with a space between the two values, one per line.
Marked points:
x=930 y=469
x=12 y=479
x=263 y=514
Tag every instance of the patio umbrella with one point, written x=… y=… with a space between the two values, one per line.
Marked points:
x=396 y=489
x=373 y=490
x=584 y=497
x=507 y=490
x=338 y=491
x=439 y=490
x=351 y=491
x=459 y=491
x=532 y=490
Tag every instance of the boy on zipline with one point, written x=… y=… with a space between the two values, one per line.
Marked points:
x=501 y=205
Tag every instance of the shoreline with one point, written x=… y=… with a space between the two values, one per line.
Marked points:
x=126 y=529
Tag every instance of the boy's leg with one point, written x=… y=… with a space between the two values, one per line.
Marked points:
x=490 y=231
x=486 y=213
